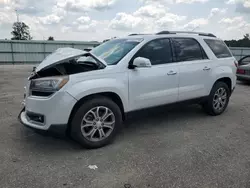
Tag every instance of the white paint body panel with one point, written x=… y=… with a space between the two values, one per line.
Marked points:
x=194 y=81
x=106 y=80
x=56 y=109
x=137 y=88
x=153 y=86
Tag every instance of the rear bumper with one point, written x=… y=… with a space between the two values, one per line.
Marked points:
x=53 y=130
x=243 y=77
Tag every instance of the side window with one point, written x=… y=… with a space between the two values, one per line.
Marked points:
x=218 y=47
x=188 y=49
x=158 y=51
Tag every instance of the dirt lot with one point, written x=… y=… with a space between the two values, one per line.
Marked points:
x=179 y=147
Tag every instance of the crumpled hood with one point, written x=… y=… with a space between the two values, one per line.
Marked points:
x=62 y=55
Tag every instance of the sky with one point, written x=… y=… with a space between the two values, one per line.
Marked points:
x=96 y=20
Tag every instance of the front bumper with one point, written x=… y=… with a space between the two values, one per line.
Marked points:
x=55 y=130
x=56 y=111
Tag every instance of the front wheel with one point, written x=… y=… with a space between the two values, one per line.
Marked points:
x=96 y=122
x=218 y=99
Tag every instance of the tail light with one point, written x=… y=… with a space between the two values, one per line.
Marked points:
x=236 y=63
x=240 y=71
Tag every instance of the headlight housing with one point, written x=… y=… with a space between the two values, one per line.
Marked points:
x=47 y=86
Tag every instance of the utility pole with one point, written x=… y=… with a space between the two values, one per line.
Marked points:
x=17 y=16
x=19 y=24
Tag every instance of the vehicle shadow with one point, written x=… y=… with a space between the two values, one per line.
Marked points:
x=244 y=83
x=44 y=142
x=154 y=118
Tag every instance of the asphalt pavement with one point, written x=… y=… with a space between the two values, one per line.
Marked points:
x=166 y=147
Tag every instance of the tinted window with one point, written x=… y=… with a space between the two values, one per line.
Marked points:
x=219 y=48
x=114 y=50
x=187 y=49
x=158 y=51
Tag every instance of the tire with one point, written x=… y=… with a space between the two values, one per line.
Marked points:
x=210 y=105
x=96 y=140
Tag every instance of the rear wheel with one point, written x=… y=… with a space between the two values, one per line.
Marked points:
x=218 y=99
x=96 y=123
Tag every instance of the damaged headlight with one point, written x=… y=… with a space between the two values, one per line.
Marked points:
x=48 y=84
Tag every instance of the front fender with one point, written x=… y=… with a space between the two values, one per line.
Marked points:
x=95 y=86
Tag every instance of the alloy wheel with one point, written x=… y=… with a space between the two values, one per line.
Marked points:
x=98 y=123
x=220 y=99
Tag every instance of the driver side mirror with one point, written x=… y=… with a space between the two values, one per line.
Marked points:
x=141 y=62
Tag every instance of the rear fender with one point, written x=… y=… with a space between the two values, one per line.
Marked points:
x=224 y=72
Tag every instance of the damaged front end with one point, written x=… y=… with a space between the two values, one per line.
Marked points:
x=53 y=73
x=67 y=61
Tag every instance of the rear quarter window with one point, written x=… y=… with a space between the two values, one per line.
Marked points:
x=219 y=48
x=188 y=49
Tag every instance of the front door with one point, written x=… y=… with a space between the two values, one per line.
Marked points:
x=156 y=85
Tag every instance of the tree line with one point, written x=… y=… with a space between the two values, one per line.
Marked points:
x=244 y=42
x=21 y=31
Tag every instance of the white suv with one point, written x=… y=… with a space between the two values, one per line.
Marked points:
x=87 y=94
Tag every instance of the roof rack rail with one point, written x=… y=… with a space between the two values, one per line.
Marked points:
x=187 y=32
x=134 y=34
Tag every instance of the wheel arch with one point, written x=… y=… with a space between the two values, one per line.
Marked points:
x=111 y=95
x=226 y=80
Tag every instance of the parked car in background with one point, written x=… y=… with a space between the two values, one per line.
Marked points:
x=243 y=70
x=88 y=94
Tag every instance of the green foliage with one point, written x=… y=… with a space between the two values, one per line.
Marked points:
x=51 y=38
x=20 y=31
x=245 y=42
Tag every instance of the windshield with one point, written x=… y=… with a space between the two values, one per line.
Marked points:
x=114 y=50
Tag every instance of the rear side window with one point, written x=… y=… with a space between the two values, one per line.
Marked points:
x=188 y=49
x=157 y=51
x=219 y=48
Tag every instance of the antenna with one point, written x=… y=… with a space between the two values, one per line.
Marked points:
x=195 y=28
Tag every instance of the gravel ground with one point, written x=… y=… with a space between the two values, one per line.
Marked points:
x=167 y=147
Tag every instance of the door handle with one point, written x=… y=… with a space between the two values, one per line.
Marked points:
x=206 y=68
x=172 y=73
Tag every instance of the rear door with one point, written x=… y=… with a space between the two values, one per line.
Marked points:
x=194 y=67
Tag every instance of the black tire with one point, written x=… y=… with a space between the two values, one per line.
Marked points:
x=208 y=105
x=76 y=133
